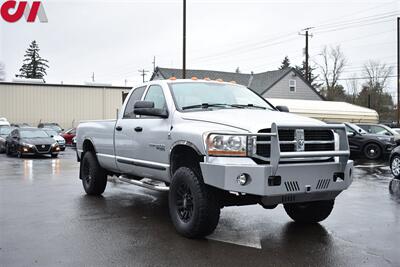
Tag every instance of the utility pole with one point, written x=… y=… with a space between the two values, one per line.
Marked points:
x=184 y=41
x=143 y=73
x=154 y=63
x=93 y=77
x=307 y=74
x=398 y=71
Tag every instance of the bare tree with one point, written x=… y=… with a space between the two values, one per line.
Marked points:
x=377 y=73
x=2 y=71
x=352 y=87
x=333 y=63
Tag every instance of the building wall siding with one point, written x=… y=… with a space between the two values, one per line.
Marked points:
x=65 y=105
x=281 y=89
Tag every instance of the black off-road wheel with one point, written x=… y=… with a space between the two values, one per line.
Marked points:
x=372 y=151
x=93 y=176
x=309 y=212
x=193 y=207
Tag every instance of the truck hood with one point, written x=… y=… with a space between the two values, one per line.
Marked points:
x=249 y=119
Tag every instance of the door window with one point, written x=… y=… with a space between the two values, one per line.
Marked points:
x=379 y=130
x=135 y=96
x=155 y=94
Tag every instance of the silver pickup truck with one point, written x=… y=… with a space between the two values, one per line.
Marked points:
x=215 y=144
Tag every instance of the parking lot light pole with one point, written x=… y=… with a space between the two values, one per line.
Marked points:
x=184 y=41
x=398 y=72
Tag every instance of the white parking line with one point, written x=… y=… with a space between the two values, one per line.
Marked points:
x=247 y=239
x=371 y=166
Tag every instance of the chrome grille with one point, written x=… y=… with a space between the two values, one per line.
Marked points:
x=314 y=140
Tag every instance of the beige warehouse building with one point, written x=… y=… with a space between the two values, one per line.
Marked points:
x=65 y=104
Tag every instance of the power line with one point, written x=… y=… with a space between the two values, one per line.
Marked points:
x=359 y=78
x=358 y=20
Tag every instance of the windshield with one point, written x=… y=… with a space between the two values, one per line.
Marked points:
x=53 y=126
x=33 y=134
x=204 y=95
x=388 y=129
x=51 y=132
x=5 y=130
x=356 y=128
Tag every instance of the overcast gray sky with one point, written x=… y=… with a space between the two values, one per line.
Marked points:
x=114 y=39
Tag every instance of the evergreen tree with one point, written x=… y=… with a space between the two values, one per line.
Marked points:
x=313 y=79
x=373 y=96
x=33 y=67
x=285 y=63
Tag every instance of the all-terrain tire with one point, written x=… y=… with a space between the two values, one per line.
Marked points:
x=309 y=212
x=193 y=206
x=94 y=177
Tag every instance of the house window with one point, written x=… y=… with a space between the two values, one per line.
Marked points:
x=292 y=85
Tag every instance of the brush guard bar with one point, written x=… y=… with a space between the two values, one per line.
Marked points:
x=342 y=152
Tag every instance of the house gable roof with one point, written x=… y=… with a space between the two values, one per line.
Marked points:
x=259 y=82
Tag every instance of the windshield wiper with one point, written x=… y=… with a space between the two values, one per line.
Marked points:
x=247 y=106
x=205 y=106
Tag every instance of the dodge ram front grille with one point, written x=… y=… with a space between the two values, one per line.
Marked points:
x=314 y=140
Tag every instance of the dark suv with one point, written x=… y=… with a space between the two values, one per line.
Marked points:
x=370 y=146
x=380 y=129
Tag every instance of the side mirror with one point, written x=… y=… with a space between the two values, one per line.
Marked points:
x=146 y=108
x=282 y=108
x=387 y=133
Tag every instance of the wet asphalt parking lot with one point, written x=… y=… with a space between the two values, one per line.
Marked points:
x=47 y=220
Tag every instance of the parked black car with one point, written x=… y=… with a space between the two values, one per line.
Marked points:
x=31 y=141
x=370 y=146
x=380 y=129
x=394 y=161
x=52 y=125
x=4 y=132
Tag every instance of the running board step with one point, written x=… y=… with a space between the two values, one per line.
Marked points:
x=146 y=183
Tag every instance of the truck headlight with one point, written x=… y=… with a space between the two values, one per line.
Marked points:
x=226 y=145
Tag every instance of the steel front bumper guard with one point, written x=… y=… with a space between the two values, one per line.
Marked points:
x=280 y=181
